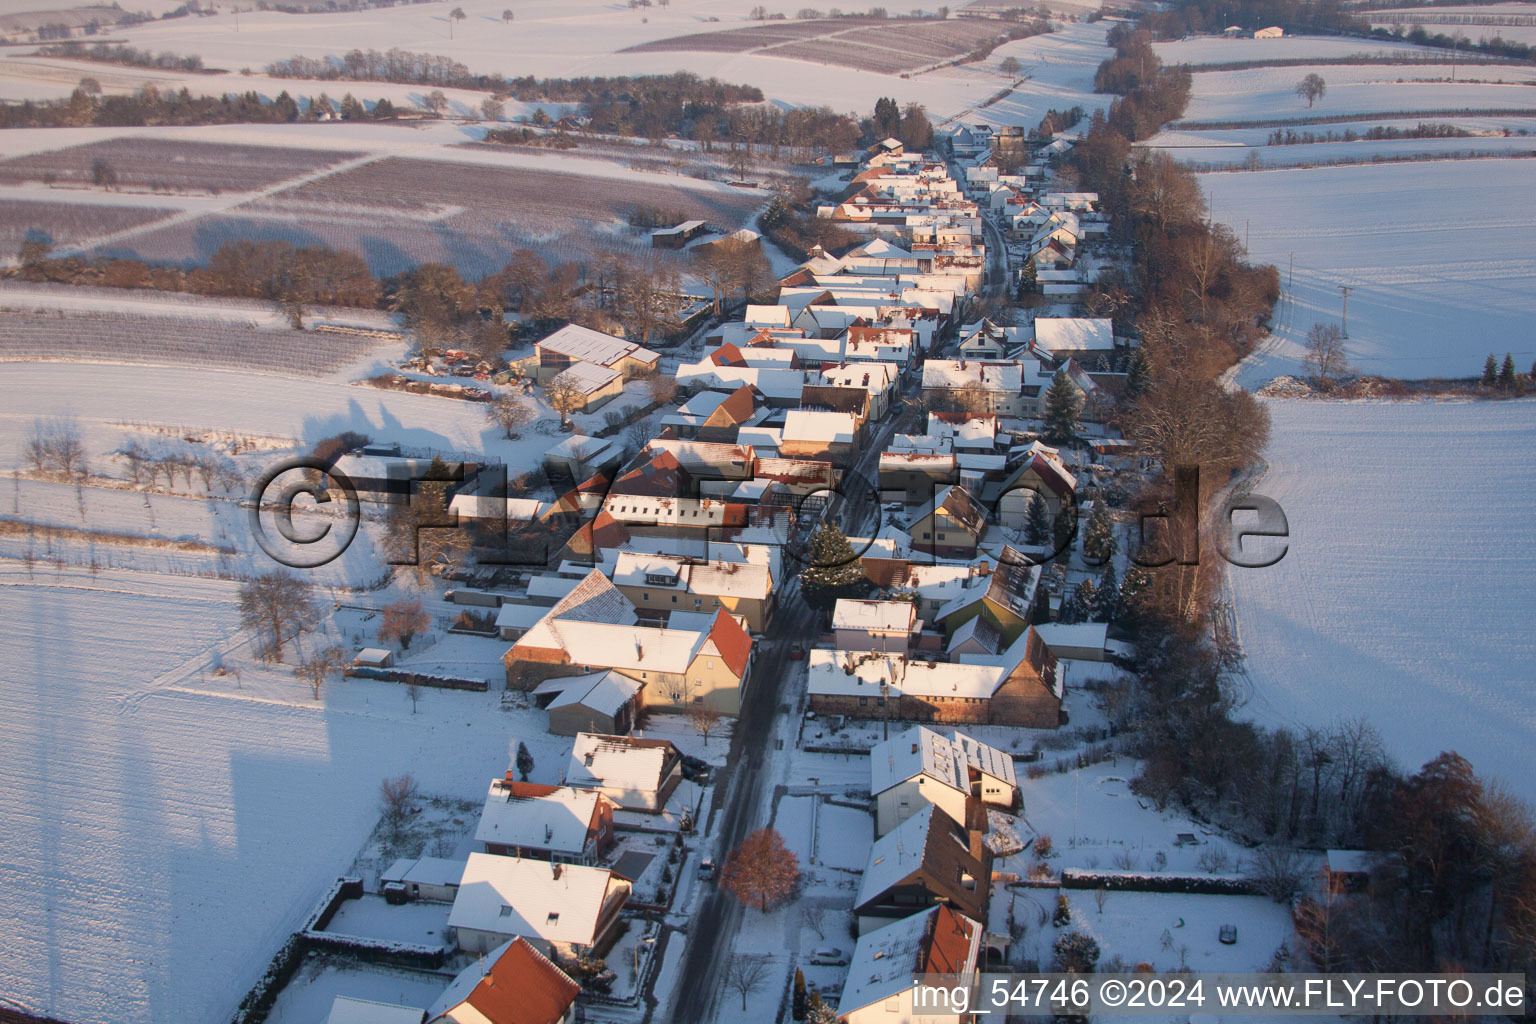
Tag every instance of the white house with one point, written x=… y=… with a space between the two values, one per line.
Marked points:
x=559 y=908
x=879 y=989
x=921 y=767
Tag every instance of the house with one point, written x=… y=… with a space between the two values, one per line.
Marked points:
x=880 y=345
x=514 y=984
x=1081 y=338
x=968 y=431
x=877 y=379
x=835 y=398
x=821 y=436
x=595 y=627
x=1347 y=871
x=1019 y=686
x=553 y=823
x=921 y=766
x=560 y=909
x=874 y=625
x=678 y=235
x=953 y=528
x=1272 y=32
x=724 y=422
x=930 y=858
x=1007 y=604
x=938 y=941
x=975 y=385
x=573 y=344
x=579 y=456
x=606 y=701
x=347 y=1010
x=914 y=475
x=662 y=584
x=596 y=385
x=1078 y=641
x=425 y=878
x=1041 y=471
x=636 y=774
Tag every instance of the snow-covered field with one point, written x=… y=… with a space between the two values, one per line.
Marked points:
x=152 y=860
x=1220 y=50
x=1405 y=594
x=1438 y=256
x=1267 y=94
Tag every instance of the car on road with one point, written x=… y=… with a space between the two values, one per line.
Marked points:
x=796 y=651
x=706 y=868
x=894 y=506
x=830 y=956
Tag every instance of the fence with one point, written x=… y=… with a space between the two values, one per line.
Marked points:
x=396 y=675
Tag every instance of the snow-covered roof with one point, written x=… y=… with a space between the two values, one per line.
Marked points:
x=883 y=616
x=718 y=578
x=621 y=761
x=766 y=316
x=1349 y=862
x=532 y=898
x=945 y=759
x=828 y=676
x=1074 y=634
x=935 y=941
x=519 y=616
x=989 y=375
x=1067 y=334
x=594 y=600
x=587 y=378
x=581 y=343
x=870 y=375
x=347 y=1010
x=580 y=446
x=895 y=855
x=556 y=821
x=828 y=427
x=484 y=506
x=603 y=692
x=424 y=871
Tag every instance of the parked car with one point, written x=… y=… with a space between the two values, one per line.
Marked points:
x=796 y=651
x=706 y=868
x=829 y=957
x=894 y=506
x=695 y=769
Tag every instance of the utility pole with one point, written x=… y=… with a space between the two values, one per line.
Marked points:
x=1345 y=289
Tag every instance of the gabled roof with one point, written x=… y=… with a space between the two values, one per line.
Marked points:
x=588 y=378
x=1067 y=334
x=945 y=759
x=829 y=427
x=936 y=847
x=347 y=1010
x=979 y=629
x=627 y=762
x=533 y=898
x=729 y=639
x=580 y=343
x=735 y=409
x=962 y=508
x=516 y=984
x=556 y=818
x=655 y=473
x=886 y=616
x=935 y=941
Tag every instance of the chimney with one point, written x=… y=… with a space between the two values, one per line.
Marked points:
x=555 y=866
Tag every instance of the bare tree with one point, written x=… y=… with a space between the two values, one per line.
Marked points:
x=563 y=396
x=436 y=102
x=661 y=387
x=55 y=445
x=320 y=666
x=810 y=917
x=637 y=435
x=509 y=412
x=704 y=719
x=395 y=795
x=1312 y=88
x=1325 y=353
x=491 y=109
x=745 y=973
x=413 y=691
x=506 y=16
x=1010 y=66
x=762 y=871
x=1277 y=872
x=457 y=14
x=421 y=533
x=404 y=620
x=276 y=606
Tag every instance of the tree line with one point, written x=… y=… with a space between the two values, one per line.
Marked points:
x=149 y=106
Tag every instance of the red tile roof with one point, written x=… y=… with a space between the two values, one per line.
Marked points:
x=731 y=640
x=727 y=355
x=523 y=987
x=949 y=945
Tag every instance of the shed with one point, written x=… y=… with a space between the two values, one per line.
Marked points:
x=426 y=878
x=374 y=657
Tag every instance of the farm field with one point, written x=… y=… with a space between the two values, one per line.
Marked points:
x=876 y=45
x=1197 y=50
x=1409 y=607
x=65 y=223
x=1436 y=285
x=159 y=164
x=1215 y=157
x=398 y=213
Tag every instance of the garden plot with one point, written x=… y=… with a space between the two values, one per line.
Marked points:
x=308 y=997
x=1407 y=608
x=844 y=836
x=1438 y=256
x=158 y=164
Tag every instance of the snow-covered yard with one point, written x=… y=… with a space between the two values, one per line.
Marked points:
x=1405 y=604
x=308 y=997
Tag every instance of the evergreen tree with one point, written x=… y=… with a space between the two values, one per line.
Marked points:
x=1138 y=373
x=1507 y=373
x=1037 y=527
x=1063 y=403
x=1083 y=598
x=832 y=570
x=798 y=1005
x=1490 y=370
x=524 y=761
x=1137 y=583
x=1106 y=597
x=1029 y=280
x=1099 y=538
x=383 y=110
